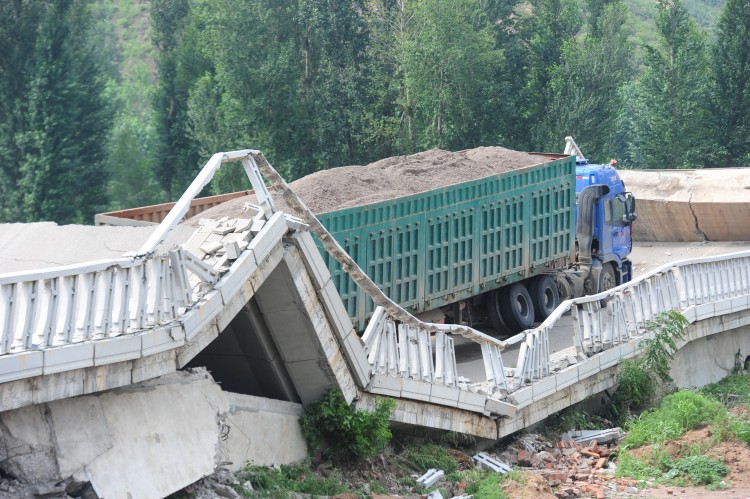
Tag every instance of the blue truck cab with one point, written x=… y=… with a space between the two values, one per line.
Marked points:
x=614 y=212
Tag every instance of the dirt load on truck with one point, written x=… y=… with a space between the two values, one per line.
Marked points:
x=390 y=178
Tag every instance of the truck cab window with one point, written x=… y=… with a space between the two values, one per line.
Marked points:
x=615 y=212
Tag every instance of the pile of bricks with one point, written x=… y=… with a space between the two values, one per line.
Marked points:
x=572 y=468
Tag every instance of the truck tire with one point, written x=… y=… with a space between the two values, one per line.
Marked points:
x=517 y=307
x=495 y=314
x=607 y=279
x=544 y=295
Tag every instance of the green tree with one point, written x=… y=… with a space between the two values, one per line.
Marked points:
x=596 y=9
x=545 y=31
x=449 y=68
x=585 y=87
x=176 y=155
x=390 y=115
x=18 y=23
x=123 y=31
x=666 y=116
x=731 y=58
x=54 y=144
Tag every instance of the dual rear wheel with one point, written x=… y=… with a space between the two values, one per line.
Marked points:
x=515 y=307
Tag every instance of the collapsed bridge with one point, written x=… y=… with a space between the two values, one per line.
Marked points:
x=88 y=349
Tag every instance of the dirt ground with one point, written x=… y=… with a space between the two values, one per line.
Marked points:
x=735 y=455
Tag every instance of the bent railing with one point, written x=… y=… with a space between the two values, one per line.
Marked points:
x=697 y=288
x=110 y=298
x=96 y=300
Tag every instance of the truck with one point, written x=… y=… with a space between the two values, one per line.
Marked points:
x=503 y=249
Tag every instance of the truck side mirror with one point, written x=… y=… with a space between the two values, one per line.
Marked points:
x=630 y=207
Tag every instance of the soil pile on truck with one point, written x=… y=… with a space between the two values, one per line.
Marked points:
x=390 y=178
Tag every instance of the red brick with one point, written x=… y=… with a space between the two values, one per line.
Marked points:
x=601 y=462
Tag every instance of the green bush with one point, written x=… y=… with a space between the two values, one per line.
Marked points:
x=636 y=387
x=734 y=389
x=347 y=431
x=638 y=380
x=668 y=327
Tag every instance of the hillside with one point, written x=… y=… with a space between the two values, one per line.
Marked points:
x=643 y=13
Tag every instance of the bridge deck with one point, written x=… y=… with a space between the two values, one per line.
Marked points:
x=114 y=322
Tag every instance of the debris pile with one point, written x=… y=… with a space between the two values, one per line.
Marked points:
x=576 y=466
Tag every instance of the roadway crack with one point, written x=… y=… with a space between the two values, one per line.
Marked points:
x=695 y=217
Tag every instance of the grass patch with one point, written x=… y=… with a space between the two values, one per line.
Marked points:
x=678 y=413
x=279 y=482
x=700 y=470
x=420 y=458
x=658 y=466
x=740 y=429
x=732 y=390
x=649 y=467
x=488 y=487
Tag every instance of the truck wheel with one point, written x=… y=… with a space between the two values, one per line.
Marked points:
x=494 y=313
x=517 y=307
x=607 y=279
x=544 y=295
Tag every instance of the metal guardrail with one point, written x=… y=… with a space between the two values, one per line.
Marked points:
x=609 y=319
x=96 y=300
x=601 y=322
x=406 y=351
x=109 y=298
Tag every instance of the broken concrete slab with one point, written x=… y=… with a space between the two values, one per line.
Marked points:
x=488 y=462
x=430 y=478
x=141 y=431
x=584 y=437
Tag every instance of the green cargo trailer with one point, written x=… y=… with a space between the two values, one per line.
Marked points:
x=451 y=244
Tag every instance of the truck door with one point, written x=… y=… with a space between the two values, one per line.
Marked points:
x=617 y=227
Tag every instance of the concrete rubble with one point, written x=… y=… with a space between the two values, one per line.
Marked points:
x=578 y=465
x=430 y=478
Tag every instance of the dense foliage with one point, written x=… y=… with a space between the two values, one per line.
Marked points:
x=120 y=102
x=345 y=430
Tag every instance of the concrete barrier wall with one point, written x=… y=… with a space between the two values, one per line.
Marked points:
x=691 y=205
